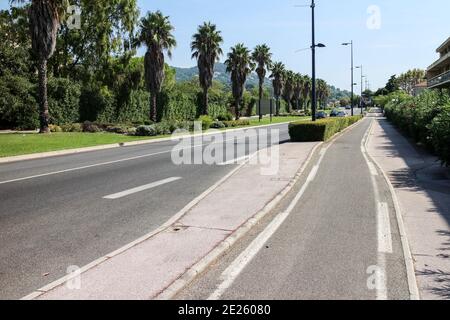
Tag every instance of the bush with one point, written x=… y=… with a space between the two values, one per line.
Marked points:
x=217 y=125
x=321 y=130
x=421 y=118
x=72 y=127
x=90 y=127
x=206 y=121
x=146 y=131
x=54 y=128
x=18 y=106
x=225 y=117
x=63 y=100
x=236 y=123
x=440 y=135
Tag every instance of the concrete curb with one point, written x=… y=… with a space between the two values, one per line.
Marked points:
x=409 y=262
x=169 y=224
x=198 y=268
x=49 y=154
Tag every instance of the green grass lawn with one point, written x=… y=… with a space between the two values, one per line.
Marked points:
x=14 y=144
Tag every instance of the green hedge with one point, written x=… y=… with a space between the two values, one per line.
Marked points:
x=321 y=130
x=425 y=119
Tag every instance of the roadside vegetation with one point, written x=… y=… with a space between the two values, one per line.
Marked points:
x=425 y=117
x=53 y=76
x=321 y=130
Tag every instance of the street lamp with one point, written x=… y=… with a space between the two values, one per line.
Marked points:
x=351 y=45
x=313 y=49
x=361 y=102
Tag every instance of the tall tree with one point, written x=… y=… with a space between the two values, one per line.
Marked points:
x=263 y=59
x=240 y=65
x=206 y=49
x=298 y=89
x=278 y=70
x=288 y=90
x=44 y=19
x=156 y=34
x=306 y=91
x=323 y=92
x=408 y=80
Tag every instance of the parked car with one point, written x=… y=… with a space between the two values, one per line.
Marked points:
x=322 y=115
x=348 y=107
x=341 y=114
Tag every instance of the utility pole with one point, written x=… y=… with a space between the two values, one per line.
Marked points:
x=362 y=89
x=353 y=82
x=313 y=48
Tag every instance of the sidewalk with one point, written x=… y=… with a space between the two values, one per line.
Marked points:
x=146 y=268
x=422 y=187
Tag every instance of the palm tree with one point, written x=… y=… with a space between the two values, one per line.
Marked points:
x=263 y=58
x=288 y=90
x=156 y=34
x=240 y=65
x=206 y=49
x=298 y=89
x=323 y=92
x=45 y=17
x=306 y=91
x=278 y=71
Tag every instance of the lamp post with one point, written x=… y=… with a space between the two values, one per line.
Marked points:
x=351 y=45
x=313 y=49
x=361 y=102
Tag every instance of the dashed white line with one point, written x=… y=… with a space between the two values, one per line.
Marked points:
x=384 y=229
x=128 y=192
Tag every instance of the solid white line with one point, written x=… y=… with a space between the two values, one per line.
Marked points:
x=373 y=170
x=233 y=271
x=384 y=229
x=382 y=245
x=234 y=161
x=103 y=163
x=141 y=188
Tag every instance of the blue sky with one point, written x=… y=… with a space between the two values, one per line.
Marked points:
x=408 y=36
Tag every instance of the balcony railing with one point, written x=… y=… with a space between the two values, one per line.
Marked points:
x=441 y=79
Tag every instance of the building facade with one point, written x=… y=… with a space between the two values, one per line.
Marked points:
x=438 y=74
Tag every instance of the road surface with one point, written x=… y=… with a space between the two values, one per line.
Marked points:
x=54 y=213
x=328 y=240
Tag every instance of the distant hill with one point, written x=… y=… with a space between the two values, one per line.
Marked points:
x=220 y=74
x=185 y=74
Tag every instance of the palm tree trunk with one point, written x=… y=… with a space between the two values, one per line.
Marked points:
x=153 y=106
x=43 y=99
x=260 y=99
x=236 y=108
x=206 y=101
x=277 y=113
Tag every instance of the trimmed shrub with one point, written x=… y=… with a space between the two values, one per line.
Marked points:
x=146 y=131
x=217 y=125
x=54 y=128
x=90 y=127
x=63 y=100
x=236 y=123
x=423 y=118
x=206 y=121
x=72 y=127
x=321 y=130
x=225 y=117
x=440 y=135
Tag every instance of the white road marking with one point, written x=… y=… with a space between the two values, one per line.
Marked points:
x=104 y=163
x=383 y=225
x=140 y=189
x=384 y=229
x=233 y=271
x=235 y=161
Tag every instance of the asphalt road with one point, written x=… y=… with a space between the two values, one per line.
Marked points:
x=340 y=240
x=54 y=215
